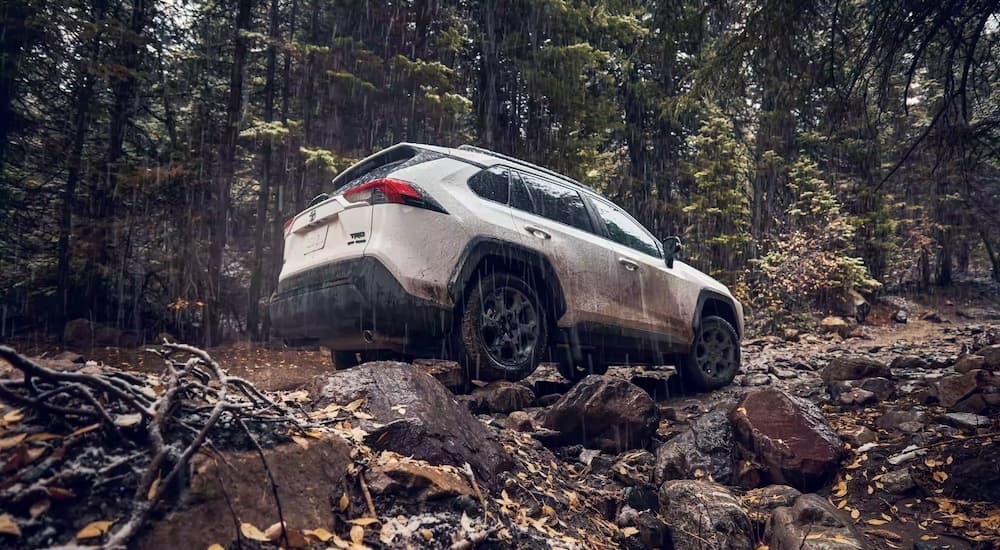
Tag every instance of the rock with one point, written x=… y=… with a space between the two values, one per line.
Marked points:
x=974 y=404
x=549 y=400
x=419 y=417
x=78 y=334
x=626 y=516
x=952 y=389
x=759 y=379
x=933 y=317
x=811 y=523
x=641 y=497
x=449 y=373
x=856 y=397
x=502 y=397
x=892 y=419
x=991 y=356
x=836 y=325
x=897 y=482
x=703 y=514
x=901 y=316
x=634 y=467
x=909 y=362
x=68 y=356
x=910 y=427
x=761 y=502
x=419 y=480
x=520 y=421
x=883 y=388
x=306 y=479
x=966 y=421
x=857 y=435
x=706 y=447
x=854 y=367
x=604 y=412
x=966 y=363
x=653 y=532
x=791 y=335
x=782 y=374
x=789 y=436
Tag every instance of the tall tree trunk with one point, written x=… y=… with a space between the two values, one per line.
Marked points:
x=257 y=272
x=993 y=255
x=15 y=35
x=224 y=183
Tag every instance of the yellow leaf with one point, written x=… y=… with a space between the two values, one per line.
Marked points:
x=12 y=441
x=364 y=521
x=871 y=490
x=763 y=547
x=340 y=543
x=301 y=441
x=354 y=405
x=940 y=477
x=251 y=532
x=840 y=490
x=630 y=531
x=357 y=534
x=320 y=534
x=153 y=488
x=877 y=522
x=84 y=430
x=427 y=534
x=94 y=529
x=344 y=503
x=855 y=514
x=949 y=460
x=13 y=416
x=273 y=532
x=44 y=436
x=742 y=410
x=216 y=546
x=8 y=526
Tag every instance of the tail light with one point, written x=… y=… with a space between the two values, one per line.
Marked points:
x=288 y=226
x=391 y=191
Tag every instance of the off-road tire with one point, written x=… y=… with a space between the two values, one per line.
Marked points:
x=714 y=358
x=483 y=324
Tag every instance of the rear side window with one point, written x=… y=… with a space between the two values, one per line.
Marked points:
x=492 y=183
x=552 y=201
x=623 y=230
x=382 y=166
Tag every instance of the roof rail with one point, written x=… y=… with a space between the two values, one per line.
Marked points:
x=509 y=158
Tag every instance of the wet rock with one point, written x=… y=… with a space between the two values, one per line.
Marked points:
x=653 y=532
x=604 y=412
x=759 y=379
x=909 y=362
x=419 y=417
x=413 y=479
x=782 y=374
x=967 y=421
x=856 y=397
x=705 y=449
x=811 y=523
x=449 y=373
x=835 y=325
x=901 y=316
x=883 y=388
x=634 y=467
x=897 y=482
x=893 y=419
x=854 y=367
x=626 y=516
x=967 y=363
x=549 y=399
x=789 y=436
x=910 y=427
x=991 y=356
x=952 y=389
x=702 y=514
x=306 y=481
x=760 y=503
x=857 y=435
x=520 y=421
x=502 y=397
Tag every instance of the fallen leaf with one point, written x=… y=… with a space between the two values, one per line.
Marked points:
x=153 y=488
x=13 y=416
x=354 y=405
x=840 y=490
x=44 y=436
x=320 y=534
x=357 y=534
x=940 y=476
x=128 y=420
x=344 y=503
x=58 y=493
x=363 y=521
x=252 y=533
x=855 y=514
x=39 y=507
x=884 y=534
x=273 y=532
x=12 y=441
x=216 y=546
x=301 y=441
x=8 y=526
x=84 y=430
x=427 y=534
x=94 y=529
x=630 y=531
x=877 y=522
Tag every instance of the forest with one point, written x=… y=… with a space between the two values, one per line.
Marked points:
x=150 y=150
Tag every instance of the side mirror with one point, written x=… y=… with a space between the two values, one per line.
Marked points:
x=671 y=249
x=318 y=199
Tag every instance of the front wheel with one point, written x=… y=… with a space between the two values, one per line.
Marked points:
x=714 y=358
x=503 y=329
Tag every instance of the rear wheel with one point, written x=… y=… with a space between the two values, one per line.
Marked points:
x=714 y=358
x=503 y=329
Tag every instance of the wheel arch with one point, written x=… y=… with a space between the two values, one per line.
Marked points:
x=482 y=252
x=715 y=303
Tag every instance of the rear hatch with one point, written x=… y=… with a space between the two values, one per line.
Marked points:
x=339 y=227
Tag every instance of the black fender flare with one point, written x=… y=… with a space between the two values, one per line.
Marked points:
x=480 y=248
x=704 y=296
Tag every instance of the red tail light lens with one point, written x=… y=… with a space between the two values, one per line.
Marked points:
x=392 y=191
x=288 y=225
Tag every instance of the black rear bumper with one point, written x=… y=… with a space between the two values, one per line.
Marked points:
x=353 y=305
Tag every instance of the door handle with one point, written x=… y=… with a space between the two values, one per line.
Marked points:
x=628 y=264
x=537 y=232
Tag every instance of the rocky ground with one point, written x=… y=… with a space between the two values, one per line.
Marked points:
x=882 y=436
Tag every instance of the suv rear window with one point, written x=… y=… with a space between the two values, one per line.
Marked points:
x=550 y=200
x=382 y=166
x=491 y=184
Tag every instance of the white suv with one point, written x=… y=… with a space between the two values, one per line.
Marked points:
x=463 y=253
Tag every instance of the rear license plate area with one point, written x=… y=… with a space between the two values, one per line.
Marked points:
x=315 y=239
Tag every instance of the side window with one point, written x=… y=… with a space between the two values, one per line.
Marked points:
x=491 y=184
x=622 y=229
x=553 y=201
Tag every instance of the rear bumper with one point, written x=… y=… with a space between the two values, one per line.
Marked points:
x=353 y=305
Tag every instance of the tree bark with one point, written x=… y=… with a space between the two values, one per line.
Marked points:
x=224 y=183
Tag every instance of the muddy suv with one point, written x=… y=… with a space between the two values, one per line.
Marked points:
x=467 y=254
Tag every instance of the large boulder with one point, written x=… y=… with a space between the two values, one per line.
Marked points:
x=705 y=449
x=991 y=356
x=854 y=367
x=951 y=390
x=789 y=437
x=703 y=515
x=811 y=523
x=604 y=412
x=414 y=415
x=965 y=363
x=308 y=478
x=501 y=397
